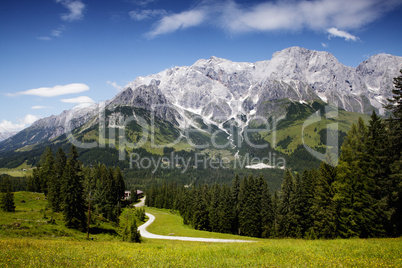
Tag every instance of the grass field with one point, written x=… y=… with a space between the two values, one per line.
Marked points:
x=28 y=240
x=23 y=170
x=153 y=253
x=167 y=223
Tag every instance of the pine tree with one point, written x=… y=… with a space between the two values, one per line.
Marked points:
x=46 y=171
x=55 y=195
x=308 y=185
x=277 y=217
x=354 y=186
x=298 y=206
x=213 y=209
x=119 y=182
x=72 y=188
x=200 y=219
x=7 y=195
x=287 y=217
x=235 y=189
x=394 y=158
x=323 y=208
x=266 y=212
x=33 y=182
x=250 y=208
x=135 y=236
x=225 y=210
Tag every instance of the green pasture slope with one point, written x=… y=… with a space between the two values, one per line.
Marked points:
x=27 y=239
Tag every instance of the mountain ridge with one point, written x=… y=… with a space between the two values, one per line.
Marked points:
x=219 y=90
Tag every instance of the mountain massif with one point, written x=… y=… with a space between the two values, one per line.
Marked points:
x=225 y=97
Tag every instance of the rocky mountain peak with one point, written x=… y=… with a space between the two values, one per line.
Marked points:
x=219 y=90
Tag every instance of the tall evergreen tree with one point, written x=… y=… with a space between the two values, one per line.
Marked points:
x=234 y=191
x=275 y=210
x=46 y=171
x=214 y=206
x=266 y=211
x=55 y=195
x=287 y=216
x=354 y=186
x=225 y=210
x=7 y=195
x=200 y=217
x=34 y=180
x=73 y=202
x=250 y=208
x=308 y=185
x=394 y=158
x=323 y=208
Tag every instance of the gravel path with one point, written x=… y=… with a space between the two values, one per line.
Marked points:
x=146 y=234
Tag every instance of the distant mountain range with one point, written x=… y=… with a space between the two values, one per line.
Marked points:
x=213 y=93
x=6 y=134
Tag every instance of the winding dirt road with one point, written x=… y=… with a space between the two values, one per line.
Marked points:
x=146 y=234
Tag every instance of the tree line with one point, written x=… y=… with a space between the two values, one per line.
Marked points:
x=69 y=187
x=359 y=197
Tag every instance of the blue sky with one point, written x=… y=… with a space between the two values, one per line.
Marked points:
x=55 y=54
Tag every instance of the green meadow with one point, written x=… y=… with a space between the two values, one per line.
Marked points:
x=29 y=239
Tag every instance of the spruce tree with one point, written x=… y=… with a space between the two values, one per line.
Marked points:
x=308 y=185
x=7 y=195
x=55 y=195
x=266 y=210
x=323 y=208
x=287 y=216
x=277 y=217
x=214 y=206
x=354 y=186
x=33 y=182
x=119 y=182
x=250 y=208
x=72 y=188
x=394 y=158
x=46 y=171
x=234 y=191
x=134 y=236
x=200 y=217
x=225 y=210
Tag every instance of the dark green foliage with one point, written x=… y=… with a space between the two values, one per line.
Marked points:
x=55 y=182
x=18 y=183
x=131 y=233
x=287 y=215
x=47 y=171
x=285 y=142
x=7 y=195
x=140 y=214
x=34 y=181
x=72 y=188
x=394 y=158
x=134 y=236
x=322 y=208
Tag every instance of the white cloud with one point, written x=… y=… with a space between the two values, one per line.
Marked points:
x=54 y=33
x=146 y=14
x=44 y=38
x=324 y=45
x=79 y=100
x=342 y=34
x=76 y=9
x=58 y=32
x=53 y=91
x=115 y=85
x=178 y=21
x=37 y=107
x=288 y=15
x=143 y=2
x=9 y=126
